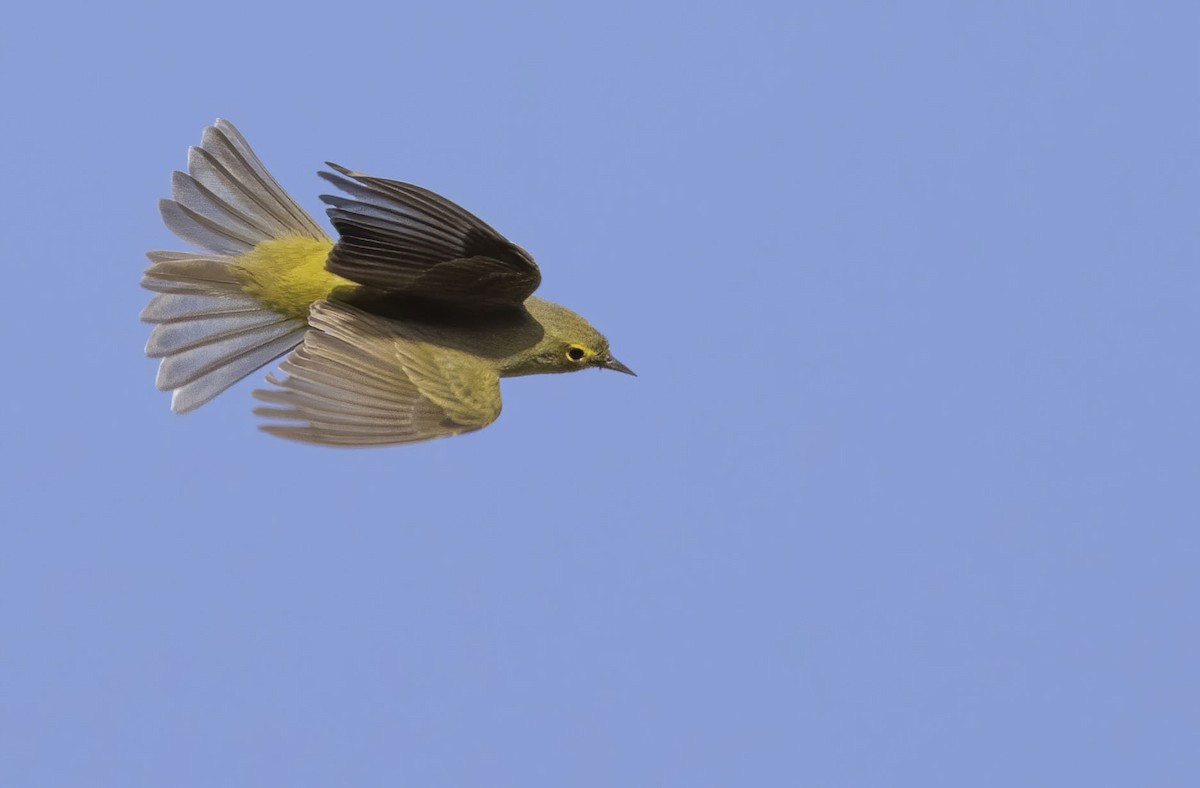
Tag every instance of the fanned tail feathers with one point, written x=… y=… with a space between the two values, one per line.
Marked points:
x=209 y=333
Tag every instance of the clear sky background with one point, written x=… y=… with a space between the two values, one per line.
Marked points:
x=905 y=493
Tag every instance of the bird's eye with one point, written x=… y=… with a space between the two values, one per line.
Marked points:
x=576 y=353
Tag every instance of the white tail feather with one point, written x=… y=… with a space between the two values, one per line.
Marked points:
x=194 y=394
x=209 y=333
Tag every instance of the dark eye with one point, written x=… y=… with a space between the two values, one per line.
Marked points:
x=575 y=353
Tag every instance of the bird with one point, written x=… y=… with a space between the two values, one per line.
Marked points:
x=395 y=332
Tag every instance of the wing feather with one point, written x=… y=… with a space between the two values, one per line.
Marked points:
x=402 y=238
x=355 y=381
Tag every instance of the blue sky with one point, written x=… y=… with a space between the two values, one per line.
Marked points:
x=905 y=493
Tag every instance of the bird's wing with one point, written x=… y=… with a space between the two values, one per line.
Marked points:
x=405 y=239
x=356 y=382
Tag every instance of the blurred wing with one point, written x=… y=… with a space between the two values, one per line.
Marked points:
x=356 y=382
x=402 y=238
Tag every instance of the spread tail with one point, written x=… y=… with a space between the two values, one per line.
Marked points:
x=210 y=333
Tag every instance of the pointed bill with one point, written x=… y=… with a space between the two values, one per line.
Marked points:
x=617 y=366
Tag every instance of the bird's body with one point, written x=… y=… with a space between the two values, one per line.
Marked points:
x=398 y=331
x=288 y=276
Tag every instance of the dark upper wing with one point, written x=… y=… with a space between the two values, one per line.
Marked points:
x=405 y=239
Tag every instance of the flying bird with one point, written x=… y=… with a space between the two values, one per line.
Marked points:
x=398 y=331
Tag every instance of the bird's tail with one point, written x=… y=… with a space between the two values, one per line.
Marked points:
x=211 y=328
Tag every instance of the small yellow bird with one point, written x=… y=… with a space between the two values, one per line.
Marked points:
x=398 y=332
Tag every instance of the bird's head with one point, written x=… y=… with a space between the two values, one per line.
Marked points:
x=570 y=343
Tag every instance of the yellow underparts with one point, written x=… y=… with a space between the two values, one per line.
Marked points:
x=288 y=274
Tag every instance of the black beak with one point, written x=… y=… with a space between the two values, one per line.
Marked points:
x=613 y=364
